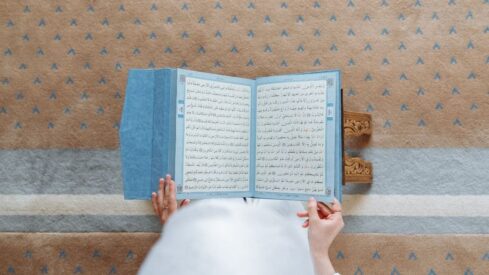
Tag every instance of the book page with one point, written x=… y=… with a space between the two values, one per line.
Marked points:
x=217 y=136
x=290 y=137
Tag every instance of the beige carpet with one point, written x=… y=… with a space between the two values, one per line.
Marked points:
x=421 y=68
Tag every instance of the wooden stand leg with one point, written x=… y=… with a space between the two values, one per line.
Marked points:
x=357 y=124
x=357 y=170
x=357 y=130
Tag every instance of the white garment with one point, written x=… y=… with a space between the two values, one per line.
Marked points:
x=228 y=236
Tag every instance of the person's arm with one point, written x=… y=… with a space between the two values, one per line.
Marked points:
x=165 y=200
x=324 y=225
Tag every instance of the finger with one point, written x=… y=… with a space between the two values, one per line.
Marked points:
x=302 y=214
x=335 y=216
x=312 y=209
x=321 y=214
x=167 y=182
x=166 y=192
x=155 y=203
x=160 y=196
x=336 y=206
x=324 y=209
x=172 y=203
x=305 y=224
x=161 y=185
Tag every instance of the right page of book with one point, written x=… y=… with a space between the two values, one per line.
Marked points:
x=296 y=150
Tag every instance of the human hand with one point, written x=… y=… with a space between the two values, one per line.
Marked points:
x=324 y=224
x=165 y=200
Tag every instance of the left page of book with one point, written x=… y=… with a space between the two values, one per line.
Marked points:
x=213 y=135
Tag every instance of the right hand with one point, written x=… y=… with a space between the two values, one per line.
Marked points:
x=324 y=224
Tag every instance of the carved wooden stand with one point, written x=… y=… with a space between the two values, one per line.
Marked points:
x=356 y=132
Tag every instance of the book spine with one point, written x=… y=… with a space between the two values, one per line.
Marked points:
x=163 y=120
x=172 y=92
x=340 y=163
x=136 y=133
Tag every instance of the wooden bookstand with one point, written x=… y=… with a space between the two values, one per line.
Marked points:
x=357 y=128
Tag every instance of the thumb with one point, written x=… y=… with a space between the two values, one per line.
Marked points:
x=312 y=209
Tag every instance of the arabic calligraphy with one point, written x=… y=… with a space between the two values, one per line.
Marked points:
x=290 y=137
x=217 y=136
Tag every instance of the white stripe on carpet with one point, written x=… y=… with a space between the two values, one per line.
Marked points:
x=353 y=205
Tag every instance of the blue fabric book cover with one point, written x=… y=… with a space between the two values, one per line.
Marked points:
x=276 y=137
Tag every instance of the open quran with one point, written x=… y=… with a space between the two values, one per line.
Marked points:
x=275 y=137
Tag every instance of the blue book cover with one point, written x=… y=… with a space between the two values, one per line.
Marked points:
x=276 y=137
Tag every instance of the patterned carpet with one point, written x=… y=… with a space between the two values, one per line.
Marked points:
x=421 y=68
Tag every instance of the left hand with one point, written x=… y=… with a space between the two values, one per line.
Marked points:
x=165 y=200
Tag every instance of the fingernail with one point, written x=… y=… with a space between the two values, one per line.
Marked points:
x=311 y=199
x=168 y=175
